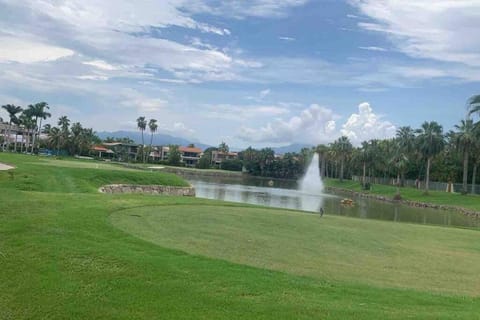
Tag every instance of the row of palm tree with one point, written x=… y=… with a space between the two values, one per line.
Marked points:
x=142 y=126
x=29 y=119
x=73 y=139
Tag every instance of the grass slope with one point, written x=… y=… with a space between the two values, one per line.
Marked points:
x=468 y=201
x=61 y=257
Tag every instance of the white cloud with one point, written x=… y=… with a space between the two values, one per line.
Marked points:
x=317 y=125
x=133 y=99
x=443 y=30
x=244 y=112
x=366 y=125
x=252 y=8
x=13 y=49
x=181 y=129
x=314 y=125
x=101 y=65
x=373 y=48
x=287 y=38
x=264 y=93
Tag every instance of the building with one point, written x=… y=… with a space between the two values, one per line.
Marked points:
x=103 y=152
x=190 y=155
x=123 y=151
x=219 y=156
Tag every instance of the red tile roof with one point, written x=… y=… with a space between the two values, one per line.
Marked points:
x=99 y=148
x=188 y=149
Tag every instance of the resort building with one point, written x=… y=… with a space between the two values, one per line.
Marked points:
x=219 y=156
x=123 y=151
x=190 y=155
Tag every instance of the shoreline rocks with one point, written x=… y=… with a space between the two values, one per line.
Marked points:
x=411 y=203
x=148 y=189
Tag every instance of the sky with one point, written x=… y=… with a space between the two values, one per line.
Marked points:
x=250 y=73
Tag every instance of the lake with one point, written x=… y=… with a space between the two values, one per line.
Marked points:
x=283 y=194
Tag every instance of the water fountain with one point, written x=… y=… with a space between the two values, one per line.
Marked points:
x=311 y=182
x=311 y=187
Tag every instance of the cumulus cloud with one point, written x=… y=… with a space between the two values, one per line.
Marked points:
x=440 y=30
x=366 y=125
x=315 y=124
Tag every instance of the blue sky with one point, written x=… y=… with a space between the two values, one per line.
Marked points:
x=259 y=72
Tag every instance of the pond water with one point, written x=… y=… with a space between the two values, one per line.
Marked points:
x=283 y=194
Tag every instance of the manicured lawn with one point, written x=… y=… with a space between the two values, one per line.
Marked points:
x=436 y=197
x=67 y=252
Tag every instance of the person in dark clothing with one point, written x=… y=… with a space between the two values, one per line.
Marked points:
x=321 y=212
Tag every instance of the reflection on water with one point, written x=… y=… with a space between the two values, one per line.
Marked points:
x=236 y=191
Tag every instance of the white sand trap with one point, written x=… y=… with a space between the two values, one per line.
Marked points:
x=158 y=168
x=5 y=167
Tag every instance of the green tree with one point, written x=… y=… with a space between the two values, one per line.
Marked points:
x=142 y=125
x=64 y=124
x=465 y=138
x=174 y=156
x=38 y=112
x=153 y=126
x=223 y=147
x=430 y=143
x=344 y=148
x=12 y=111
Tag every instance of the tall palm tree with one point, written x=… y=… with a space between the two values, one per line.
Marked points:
x=405 y=141
x=142 y=125
x=28 y=124
x=344 y=148
x=64 y=124
x=12 y=111
x=39 y=111
x=153 y=126
x=322 y=151
x=430 y=142
x=464 y=139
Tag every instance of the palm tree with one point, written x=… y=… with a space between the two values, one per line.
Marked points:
x=405 y=141
x=344 y=148
x=322 y=151
x=142 y=125
x=12 y=111
x=153 y=126
x=55 y=138
x=430 y=142
x=464 y=139
x=473 y=105
x=64 y=124
x=28 y=123
x=39 y=112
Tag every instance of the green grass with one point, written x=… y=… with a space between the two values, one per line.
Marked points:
x=79 y=254
x=468 y=201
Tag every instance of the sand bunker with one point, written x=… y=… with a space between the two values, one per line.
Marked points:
x=5 y=167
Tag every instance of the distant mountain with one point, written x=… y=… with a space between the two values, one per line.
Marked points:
x=158 y=138
x=294 y=147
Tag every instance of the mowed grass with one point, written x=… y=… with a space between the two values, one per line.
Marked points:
x=468 y=201
x=70 y=175
x=64 y=255
x=334 y=248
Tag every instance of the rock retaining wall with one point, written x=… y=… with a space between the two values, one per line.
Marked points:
x=410 y=203
x=149 y=189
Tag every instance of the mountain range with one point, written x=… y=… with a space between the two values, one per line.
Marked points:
x=166 y=139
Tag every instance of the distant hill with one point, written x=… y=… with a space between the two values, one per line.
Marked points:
x=294 y=147
x=158 y=138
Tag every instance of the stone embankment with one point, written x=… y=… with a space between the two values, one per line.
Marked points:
x=411 y=203
x=149 y=189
